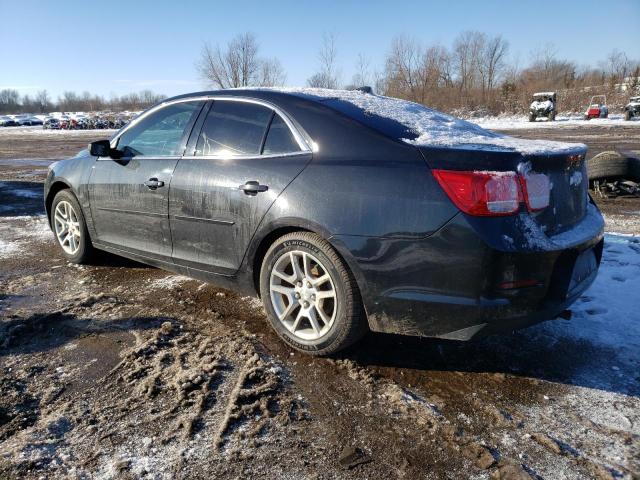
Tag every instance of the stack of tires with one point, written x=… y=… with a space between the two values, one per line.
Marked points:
x=617 y=172
x=613 y=165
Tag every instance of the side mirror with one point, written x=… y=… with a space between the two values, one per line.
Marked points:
x=101 y=148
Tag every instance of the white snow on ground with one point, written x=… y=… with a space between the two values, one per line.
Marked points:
x=434 y=128
x=168 y=282
x=515 y=122
x=38 y=131
x=16 y=233
x=608 y=314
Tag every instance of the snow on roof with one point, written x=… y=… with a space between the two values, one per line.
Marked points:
x=550 y=94
x=432 y=128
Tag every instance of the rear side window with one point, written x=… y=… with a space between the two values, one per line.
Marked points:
x=234 y=128
x=162 y=133
x=279 y=139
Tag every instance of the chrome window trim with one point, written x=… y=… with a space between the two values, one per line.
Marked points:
x=304 y=144
x=249 y=157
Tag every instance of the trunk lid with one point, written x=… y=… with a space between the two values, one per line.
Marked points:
x=569 y=190
x=566 y=171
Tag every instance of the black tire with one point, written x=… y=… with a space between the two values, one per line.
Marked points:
x=607 y=165
x=349 y=324
x=627 y=115
x=85 y=249
x=552 y=116
x=633 y=164
x=532 y=118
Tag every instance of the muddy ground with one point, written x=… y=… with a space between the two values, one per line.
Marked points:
x=118 y=370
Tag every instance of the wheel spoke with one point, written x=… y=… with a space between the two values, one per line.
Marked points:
x=300 y=316
x=288 y=311
x=320 y=280
x=296 y=266
x=311 y=315
x=323 y=315
x=322 y=294
x=306 y=263
x=288 y=291
x=287 y=278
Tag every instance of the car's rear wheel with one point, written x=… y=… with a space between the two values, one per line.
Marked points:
x=310 y=296
x=70 y=227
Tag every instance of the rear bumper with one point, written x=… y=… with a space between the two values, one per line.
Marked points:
x=455 y=284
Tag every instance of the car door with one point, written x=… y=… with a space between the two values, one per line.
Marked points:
x=246 y=154
x=129 y=196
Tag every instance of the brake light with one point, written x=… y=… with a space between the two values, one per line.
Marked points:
x=495 y=193
x=482 y=193
x=537 y=190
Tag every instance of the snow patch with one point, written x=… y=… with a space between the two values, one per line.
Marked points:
x=517 y=122
x=169 y=282
x=16 y=233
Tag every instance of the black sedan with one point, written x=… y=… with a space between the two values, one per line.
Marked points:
x=345 y=211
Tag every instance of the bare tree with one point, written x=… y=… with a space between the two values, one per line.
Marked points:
x=43 y=101
x=417 y=73
x=492 y=61
x=327 y=75
x=9 y=100
x=362 y=75
x=468 y=48
x=272 y=74
x=617 y=66
x=238 y=65
x=402 y=66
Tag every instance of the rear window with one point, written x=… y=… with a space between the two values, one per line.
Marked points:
x=384 y=125
x=233 y=128
x=279 y=139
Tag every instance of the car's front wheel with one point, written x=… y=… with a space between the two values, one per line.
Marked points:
x=310 y=296
x=70 y=227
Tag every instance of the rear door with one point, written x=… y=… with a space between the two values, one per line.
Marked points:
x=129 y=196
x=245 y=155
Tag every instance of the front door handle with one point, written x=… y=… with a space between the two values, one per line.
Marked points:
x=154 y=183
x=253 y=188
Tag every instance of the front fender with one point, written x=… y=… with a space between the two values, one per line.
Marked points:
x=72 y=173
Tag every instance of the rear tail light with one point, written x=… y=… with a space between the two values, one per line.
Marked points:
x=493 y=194
x=537 y=190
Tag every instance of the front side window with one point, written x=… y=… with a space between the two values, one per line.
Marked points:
x=280 y=139
x=234 y=128
x=160 y=133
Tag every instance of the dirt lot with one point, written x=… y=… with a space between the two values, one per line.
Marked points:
x=118 y=370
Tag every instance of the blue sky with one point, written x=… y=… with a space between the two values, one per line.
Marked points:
x=122 y=46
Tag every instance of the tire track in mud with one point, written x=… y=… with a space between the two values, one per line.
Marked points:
x=481 y=445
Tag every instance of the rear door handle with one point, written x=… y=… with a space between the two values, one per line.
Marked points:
x=154 y=183
x=253 y=188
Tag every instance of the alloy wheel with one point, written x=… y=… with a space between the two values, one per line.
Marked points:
x=303 y=295
x=67 y=227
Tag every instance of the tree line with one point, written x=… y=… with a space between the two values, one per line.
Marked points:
x=41 y=102
x=475 y=73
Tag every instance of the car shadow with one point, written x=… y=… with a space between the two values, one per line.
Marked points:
x=43 y=332
x=19 y=199
x=536 y=352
